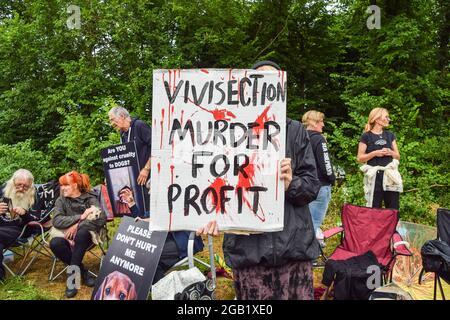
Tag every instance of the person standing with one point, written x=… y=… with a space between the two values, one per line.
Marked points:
x=133 y=129
x=378 y=149
x=314 y=122
x=278 y=265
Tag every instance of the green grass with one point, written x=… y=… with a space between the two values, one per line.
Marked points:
x=19 y=288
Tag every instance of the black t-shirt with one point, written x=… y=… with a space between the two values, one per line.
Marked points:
x=378 y=142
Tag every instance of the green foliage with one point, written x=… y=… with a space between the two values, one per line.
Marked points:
x=56 y=84
x=21 y=155
x=78 y=146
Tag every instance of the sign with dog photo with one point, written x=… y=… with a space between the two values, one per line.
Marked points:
x=218 y=137
x=121 y=168
x=130 y=264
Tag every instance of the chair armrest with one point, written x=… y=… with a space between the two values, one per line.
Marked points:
x=331 y=232
x=41 y=227
x=46 y=215
x=400 y=247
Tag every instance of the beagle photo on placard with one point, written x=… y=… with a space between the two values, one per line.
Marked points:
x=116 y=286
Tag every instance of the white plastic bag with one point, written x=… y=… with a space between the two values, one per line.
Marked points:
x=175 y=282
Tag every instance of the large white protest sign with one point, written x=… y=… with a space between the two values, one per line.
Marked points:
x=217 y=141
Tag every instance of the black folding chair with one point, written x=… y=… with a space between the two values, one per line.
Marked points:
x=436 y=253
x=33 y=244
x=90 y=250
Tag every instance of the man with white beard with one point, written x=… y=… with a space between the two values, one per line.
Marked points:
x=19 y=211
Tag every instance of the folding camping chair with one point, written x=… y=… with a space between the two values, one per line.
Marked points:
x=105 y=205
x=90 y=250
x=368 y=229
x=191 y=259
x=33 y=244
x=443 y=237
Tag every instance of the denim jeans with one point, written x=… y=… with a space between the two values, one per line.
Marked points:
x=318 y=207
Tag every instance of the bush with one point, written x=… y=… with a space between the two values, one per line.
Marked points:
x=21 y=155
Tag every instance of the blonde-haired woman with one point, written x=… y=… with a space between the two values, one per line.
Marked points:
x=314 y=122
x=378 y=149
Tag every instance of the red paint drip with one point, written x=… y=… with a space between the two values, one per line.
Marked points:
x=263 y=218
x=162 y=127
x=204 y=71
x=218 y=114
x=170 y=80
x=262 y=118
x=239 y=93
x=172 y=167
x=248 y=182
x=174 y=79
x=222 y=114
x=168 y=117
x=159 y=168
x=173 y=146
x=216 y=185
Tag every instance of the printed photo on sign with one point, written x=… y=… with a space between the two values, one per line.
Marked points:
x=217 y=141
x=121 y=171
x=130 y=264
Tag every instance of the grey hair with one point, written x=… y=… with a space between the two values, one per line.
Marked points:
x=24 y=174
x=9 y=190
x=118 y=111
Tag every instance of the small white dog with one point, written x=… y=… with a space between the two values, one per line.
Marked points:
x=94 y=215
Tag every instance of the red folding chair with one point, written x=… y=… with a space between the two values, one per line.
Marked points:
x=369 y=229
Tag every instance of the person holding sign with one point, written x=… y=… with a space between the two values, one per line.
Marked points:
x=72 y=210
x=278 y=265
x=133 y=129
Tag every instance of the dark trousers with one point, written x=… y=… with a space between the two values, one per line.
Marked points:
x=72 y=256
x=391 y=199
x=169 y=256
x=8 y=234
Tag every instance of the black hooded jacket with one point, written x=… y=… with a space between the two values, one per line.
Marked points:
x=319 y=146
x=297 y=241
x=141 y=133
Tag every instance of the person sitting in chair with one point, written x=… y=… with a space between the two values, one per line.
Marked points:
x=18 y=206
x=72 y=209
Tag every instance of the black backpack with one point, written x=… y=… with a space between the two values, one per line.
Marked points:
x=436 y=258
x=202 y=290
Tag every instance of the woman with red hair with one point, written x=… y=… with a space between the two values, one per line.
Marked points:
x=71 y=210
